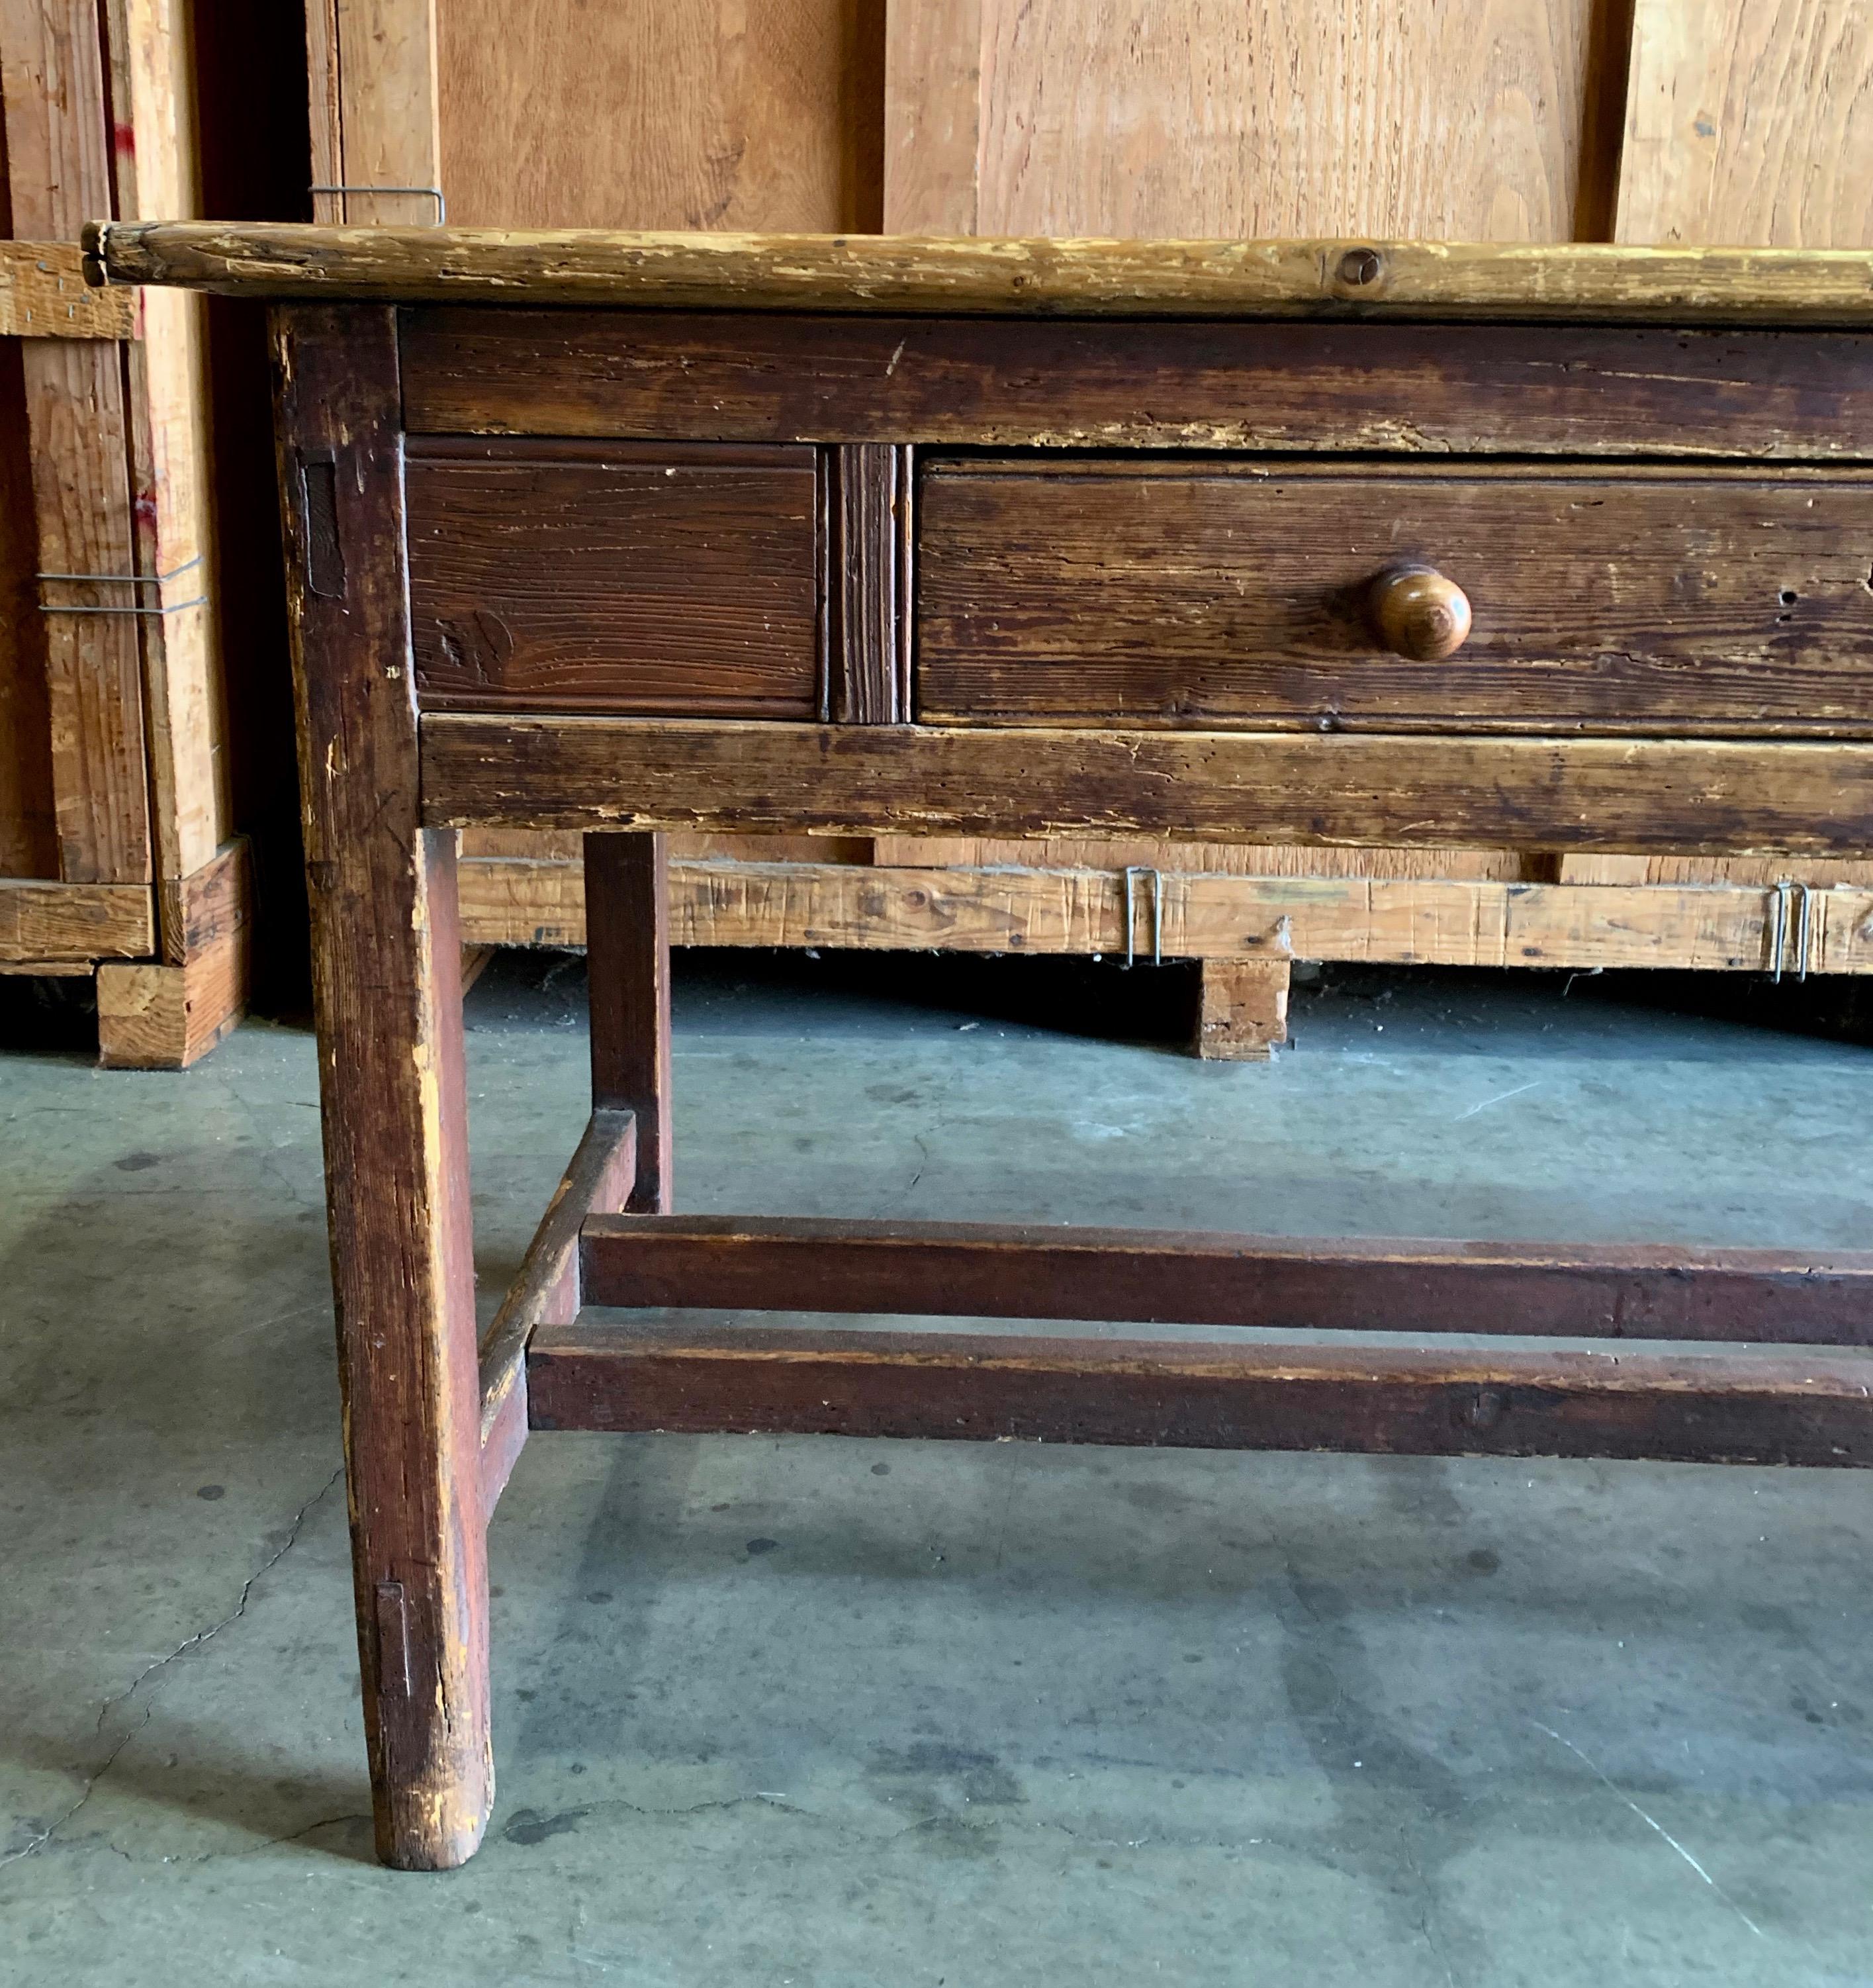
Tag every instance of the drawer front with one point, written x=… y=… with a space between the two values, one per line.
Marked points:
x=1165 y=593
x=636 y=579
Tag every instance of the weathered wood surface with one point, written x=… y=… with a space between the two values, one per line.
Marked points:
x=1751 y=121
x=906 y=273
x=1176 y=1277
x=1625 y=921
x=375 y=123
x=167 y=1013
x=641 y=578
x=386 y=984
x=43 y=294
x=1249 y=118
x=1789 y=1408
x=1153 y=593
x=157 y=174
x=627 y=950
x=1241 y=1009
x=1395 y=389
x=598 y=1179
x=872 y=484
x=64 y=922
x=1637 y=794
x=156 y=1017
x=690 y=113
x=60 y=150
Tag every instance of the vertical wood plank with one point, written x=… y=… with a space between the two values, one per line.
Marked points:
x=1749 y=122
x=872 y=656
x=387 y=988
x=54 y=84
x=171 y=468
x=627 y=959
x=690 y=113
x=932 y=112
x=388 y=108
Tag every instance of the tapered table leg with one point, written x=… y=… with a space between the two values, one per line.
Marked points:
x=387 y=984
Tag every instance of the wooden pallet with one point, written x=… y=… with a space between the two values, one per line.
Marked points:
x=117 y=851
x=1247 y=926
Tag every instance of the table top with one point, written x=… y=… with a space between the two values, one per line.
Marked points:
x=900 y=274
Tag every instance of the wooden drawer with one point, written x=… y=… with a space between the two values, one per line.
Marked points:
x=1216 y=594
x=664 y=578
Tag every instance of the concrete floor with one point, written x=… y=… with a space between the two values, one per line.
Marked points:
x=829 y=1712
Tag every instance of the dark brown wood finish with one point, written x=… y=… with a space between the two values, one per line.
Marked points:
x=386 y=981
x=565 y=576
x=1179 y=1277
x=599 y=1179
x=871 y=681
x=1403 y=388
x=627 y=957
x=1167 y=594
x=1433 y=791
x=1783 y=1408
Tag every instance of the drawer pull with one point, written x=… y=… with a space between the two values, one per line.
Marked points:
x=1419 y=614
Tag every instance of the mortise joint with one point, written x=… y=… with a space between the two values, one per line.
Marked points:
x=393 y=1640
x=325 y=552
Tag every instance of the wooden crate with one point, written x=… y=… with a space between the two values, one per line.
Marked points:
x=1736 y=121
x=117 y=852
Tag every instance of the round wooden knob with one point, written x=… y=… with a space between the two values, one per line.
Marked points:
x=1419 y=614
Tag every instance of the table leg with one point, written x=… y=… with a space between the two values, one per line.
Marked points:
x=627 y=954
x=387 y=986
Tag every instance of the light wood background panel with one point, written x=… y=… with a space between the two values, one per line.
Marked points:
x=1749 y=122
x=663 y=113
x=1240 y=117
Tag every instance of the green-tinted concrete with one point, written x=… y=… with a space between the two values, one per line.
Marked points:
x=833 y=1713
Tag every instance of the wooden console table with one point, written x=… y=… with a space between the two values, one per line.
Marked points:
x=1566 y=548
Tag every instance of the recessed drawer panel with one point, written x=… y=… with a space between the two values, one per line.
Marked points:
x=1590 y=600
x=612 y=576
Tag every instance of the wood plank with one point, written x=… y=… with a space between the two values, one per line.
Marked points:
x=28 y=841
x=1750 y=122
x=388 y=111
x=1739 y=1409
x=1242 y=1010
x=386 y=984
x=1283 y=117
x=70 y=921
x=1245 y=859
x=1392 y=919
x=871 y=678
x=1155 y=593
x=933 y=116
x=168 y=1014
x=60 y=173
x=160 y=1017
x=897 y=274
x=43 y=294
x=1399 y=920
x=1393 y=389
x=627 y=952
x=1280 y=1283
x=619 y=577
x=172 y=469
x=692 y=113
x=1352 y=788
x=598 y=1180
